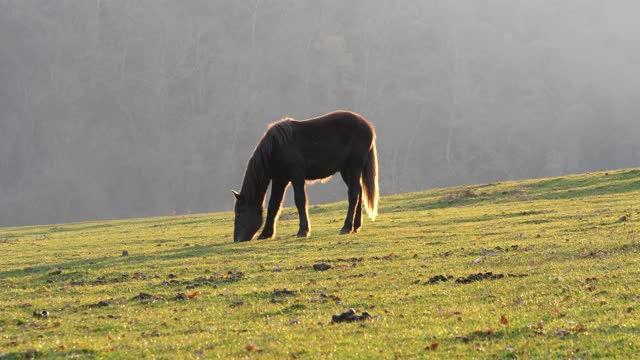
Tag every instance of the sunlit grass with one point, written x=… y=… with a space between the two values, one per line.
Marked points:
x=568 y=249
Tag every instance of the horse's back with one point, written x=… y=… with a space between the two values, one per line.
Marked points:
x=342 y=126
x=341 y=120
x=328 y=143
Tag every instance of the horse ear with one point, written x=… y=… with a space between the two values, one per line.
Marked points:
x=236 y=194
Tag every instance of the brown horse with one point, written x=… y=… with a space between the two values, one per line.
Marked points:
x=294 y=151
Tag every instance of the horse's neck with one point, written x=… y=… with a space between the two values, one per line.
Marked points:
x=255 y=183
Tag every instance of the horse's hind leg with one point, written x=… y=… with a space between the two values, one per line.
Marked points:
x=300 y=197
x=357 y=219
x=354 y=210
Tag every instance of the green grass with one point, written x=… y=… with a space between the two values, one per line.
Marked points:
x=573 y=242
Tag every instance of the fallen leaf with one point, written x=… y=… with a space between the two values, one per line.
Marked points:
x=193 y=294
x=250 y=347
x=433 y=346
x=489 y=331
x=504 y=320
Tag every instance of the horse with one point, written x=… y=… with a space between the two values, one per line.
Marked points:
x=294 y=151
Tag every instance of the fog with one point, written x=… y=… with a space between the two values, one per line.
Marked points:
x=115 y=109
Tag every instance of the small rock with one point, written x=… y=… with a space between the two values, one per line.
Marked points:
x=478 y=260
x=125 y=253
x=181 y=296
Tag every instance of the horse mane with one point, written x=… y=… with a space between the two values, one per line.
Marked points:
x=258 y=173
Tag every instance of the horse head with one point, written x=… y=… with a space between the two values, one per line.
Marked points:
x=248 y=219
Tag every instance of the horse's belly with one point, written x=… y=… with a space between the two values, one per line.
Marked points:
x=319 y=173
x=323 y=161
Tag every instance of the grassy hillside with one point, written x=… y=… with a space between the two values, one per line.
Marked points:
x=563 y=255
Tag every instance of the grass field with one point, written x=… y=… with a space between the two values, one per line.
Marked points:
x=563 y=253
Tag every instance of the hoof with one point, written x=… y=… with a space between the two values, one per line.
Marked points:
x=303 y=234
x=344 y=231
x=264 y=236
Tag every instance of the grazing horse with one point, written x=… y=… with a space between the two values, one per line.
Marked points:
x=293 y=151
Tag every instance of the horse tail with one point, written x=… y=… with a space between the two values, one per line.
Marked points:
x=370 y=194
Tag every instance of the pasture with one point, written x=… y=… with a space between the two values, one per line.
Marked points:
x=562 y=253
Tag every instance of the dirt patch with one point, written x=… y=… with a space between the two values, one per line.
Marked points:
x=321 y=267
x=181 y=296
x=202 y=281
x=471 y=277
x=102 y=303
x=388 y=257
x=631 y=247
x=460 y=195
x=236 y=304
x=479 y=276
x=232 y=276
x=439 y=278
x=324 y=298
x=145 y=298
x=102 y=280
x=284 y=292
x=351 y=315
x=517 y=194
x=44 y=314
x=351 y=259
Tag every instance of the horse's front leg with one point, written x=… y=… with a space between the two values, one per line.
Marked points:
x=355 y=193
x=300 y=197
x=273 y=212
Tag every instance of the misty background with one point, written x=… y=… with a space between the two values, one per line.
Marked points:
x=113 y=109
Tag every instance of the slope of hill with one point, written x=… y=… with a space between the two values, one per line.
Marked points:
x=540 y=268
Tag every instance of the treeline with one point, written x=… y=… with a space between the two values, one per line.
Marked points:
x=135 y=108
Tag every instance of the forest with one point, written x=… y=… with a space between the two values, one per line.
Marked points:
x=115 y=109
